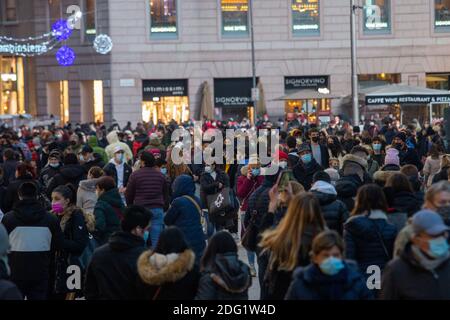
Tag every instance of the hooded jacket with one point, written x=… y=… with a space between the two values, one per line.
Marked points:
x=114 y=142
x=93 y=143
x=334 y=211
x=185 y=215
x=68 y=174
x=34 y=234
x=86 y=195
x=227 y=278
x=362 y=237
x=404 y=278
x=169 y=277
x=112 y=273
x=309 y=283
x=347 y=188
x=108 y=211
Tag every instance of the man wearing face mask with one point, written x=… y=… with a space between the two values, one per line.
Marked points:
x=34 y=235
x=88 y=158
x=112 y=273
x=422 y=272
x=306 y=167
x=319 y=152
x=407 y=150
x=51 y=169
x=118 y=169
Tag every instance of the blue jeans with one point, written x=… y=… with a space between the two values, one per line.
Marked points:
x=157 y=225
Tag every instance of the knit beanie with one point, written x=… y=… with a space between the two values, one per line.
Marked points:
x=392 y=157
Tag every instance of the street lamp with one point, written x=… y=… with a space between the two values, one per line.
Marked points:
x=355 y=100
x=255 y=93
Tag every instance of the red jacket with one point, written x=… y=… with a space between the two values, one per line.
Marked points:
x=246 y=187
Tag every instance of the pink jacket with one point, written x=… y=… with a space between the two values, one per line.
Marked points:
x=246 y=187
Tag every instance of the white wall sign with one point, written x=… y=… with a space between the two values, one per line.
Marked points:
x=127 y=82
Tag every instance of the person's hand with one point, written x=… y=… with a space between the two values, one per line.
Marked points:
x=273 y=196
x=122 y=190
x=249 y=175
x=220 y=185
x=195 y=178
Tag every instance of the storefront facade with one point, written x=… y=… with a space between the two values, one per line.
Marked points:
x=293 y=39
x=233 y=97
x=165 y=100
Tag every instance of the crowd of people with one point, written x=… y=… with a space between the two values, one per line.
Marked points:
x=344 y=201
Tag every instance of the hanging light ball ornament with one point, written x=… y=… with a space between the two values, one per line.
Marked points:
x=103 y=44
x=61 y=30
x=65 y=56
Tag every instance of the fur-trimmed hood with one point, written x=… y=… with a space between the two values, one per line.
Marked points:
x=383 y=176
x=358 y=160
x=157 y=272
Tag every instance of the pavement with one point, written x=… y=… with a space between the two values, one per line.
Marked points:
x=253 y=292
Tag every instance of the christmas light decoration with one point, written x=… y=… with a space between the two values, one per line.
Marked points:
x=65 y=56
x=61 y=30
x=103 y=44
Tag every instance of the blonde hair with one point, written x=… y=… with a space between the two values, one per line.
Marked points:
x=284 y=242
x=445 y=161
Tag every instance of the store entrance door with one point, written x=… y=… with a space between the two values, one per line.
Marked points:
x=58 y=100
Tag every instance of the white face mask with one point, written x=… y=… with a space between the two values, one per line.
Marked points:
x=208 y=169
x=283 y=165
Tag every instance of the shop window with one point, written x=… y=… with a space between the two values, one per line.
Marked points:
x=89 y=19
x=442 y=15
x=377 y=17
x=9 y=11
x=305 y=17
x=166 y=109
x=58 y=100
x=235 y=17
x=439 y=81
x=163 y=18
x=12 y=85
x=98 y=101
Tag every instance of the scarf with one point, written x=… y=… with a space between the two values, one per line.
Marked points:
x=426 y=262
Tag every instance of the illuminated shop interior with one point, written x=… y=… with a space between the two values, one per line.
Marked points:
x=12 y=85
x=305 y=16
x=166 y=109
x=234 y=16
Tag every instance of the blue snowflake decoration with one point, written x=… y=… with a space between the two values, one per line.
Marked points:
x=61 y=30
x=65 y=56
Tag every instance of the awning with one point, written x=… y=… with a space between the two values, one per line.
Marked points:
x=307 y=95
x=403 y=94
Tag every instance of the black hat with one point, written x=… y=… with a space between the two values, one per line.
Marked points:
x=87 y=149
x=55 y=154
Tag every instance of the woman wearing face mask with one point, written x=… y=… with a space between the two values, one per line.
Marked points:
x=378 y=150
x=108 y=210
x=75 y=226
x=249 y=180
x=329 y=276
x=289 y=244
x=307 y=166
x=212 y=181
x=51 y=169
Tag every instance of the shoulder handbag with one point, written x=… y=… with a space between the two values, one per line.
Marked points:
x=203 y=219
x=380 y=237
x=220 y=201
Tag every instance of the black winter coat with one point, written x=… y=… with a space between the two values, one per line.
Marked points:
x=441 y=175
x=405 y=279
x=227 y=278
x=403 y=202
x=363 y=243
x=304 y=173
x=30 y=218
x=209 y=185
x=97 y=162
x=68 y=174
x=9 y=171
x=47 y=174
x=110 y=170
x=175 y=281
x=334 y=211
x=11 y=195
x=112 y=273
x=310 y=283
x=347 y=188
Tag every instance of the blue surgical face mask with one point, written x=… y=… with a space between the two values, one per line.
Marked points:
x=438 y=247
x=306 y=158
x=376 y=147
x=331 y=266
x=256 y=172
x=164 y=171
x=146 y=236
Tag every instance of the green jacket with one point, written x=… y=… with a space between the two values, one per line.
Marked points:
x=93 y=143
x=108 y=214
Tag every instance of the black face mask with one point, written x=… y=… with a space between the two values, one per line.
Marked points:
x=315 y=139
x=398 y=146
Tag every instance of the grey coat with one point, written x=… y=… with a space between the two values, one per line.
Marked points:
x=86 y=196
